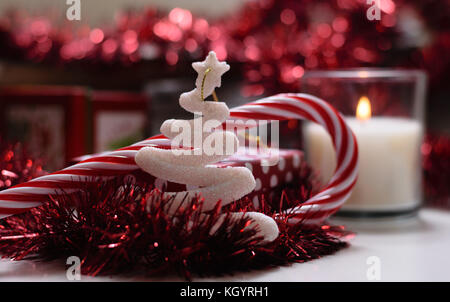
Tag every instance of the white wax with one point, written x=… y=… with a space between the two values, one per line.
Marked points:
x=389 y=162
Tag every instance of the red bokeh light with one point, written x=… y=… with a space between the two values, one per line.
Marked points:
x=96 y=36
x=109 y=46
x=191 y=45
x=171 y=57
x=337 y=40
x=324 y=30
x=298 y=71
x=287 y=16
x=181 y=17
x=387 y=6
x=340 y=24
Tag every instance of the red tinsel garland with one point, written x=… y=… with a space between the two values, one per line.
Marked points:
x=16 y=165
x=275 y=40
x=436 y=170
x=113 y=229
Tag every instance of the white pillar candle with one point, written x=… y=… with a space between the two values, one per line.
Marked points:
x=389 y=162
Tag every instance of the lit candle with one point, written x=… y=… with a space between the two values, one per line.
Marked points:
x=389 y=166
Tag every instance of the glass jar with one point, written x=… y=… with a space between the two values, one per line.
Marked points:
x=385 y=109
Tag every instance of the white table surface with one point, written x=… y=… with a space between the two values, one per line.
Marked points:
x=408 y=250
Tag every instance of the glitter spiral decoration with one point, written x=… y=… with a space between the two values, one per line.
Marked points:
x=25 y=196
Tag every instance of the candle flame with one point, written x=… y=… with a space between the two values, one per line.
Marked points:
x=363 y=110
x=363 y=74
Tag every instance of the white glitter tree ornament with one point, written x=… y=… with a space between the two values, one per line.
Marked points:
x=203 y=145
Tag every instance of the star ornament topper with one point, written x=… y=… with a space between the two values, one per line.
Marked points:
x=210 y=73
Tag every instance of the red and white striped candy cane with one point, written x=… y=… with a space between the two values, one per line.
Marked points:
x=305 y=106
x=25 y=196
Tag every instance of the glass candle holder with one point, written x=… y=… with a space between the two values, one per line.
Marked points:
x=385 y=109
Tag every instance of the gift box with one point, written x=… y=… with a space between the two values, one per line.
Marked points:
x=50 y=120
x=287 y=169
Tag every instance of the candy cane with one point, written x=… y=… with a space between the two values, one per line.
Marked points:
x=304 y=106
x=25 y=196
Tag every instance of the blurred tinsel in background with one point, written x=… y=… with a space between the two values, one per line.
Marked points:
x=273 y=41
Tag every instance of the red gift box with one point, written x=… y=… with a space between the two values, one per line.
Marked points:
x=51 y=120
x=287 y=170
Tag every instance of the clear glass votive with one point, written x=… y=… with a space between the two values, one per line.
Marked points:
x=385 y=110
